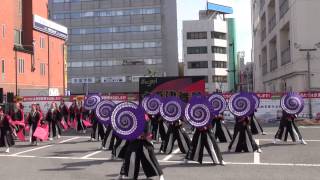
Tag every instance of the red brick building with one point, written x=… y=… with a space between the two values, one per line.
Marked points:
x=32 y=49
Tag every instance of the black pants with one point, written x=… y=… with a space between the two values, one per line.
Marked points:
x=6 y=137
x=120 y=148
x=221 y=131
x=65 y=118
x=256 y=127
x=80 y=125
x=33 y=127
x=97 y=130
x=176 y=133
x=109 y=138
x=159 y=128
x=201 y=140
x=288 y=127
x=54 y=128
x=140 y=151
x=242 y=139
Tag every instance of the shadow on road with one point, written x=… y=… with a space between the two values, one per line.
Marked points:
x=76 y=166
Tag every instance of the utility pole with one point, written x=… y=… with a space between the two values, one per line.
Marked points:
x=309 y=78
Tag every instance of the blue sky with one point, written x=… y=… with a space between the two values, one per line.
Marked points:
x=188 y=10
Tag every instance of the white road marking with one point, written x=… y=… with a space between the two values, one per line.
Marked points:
x=20 y=156
x=162 y=161
x=73 y=158
x=34 y=149
x=42 y=147
x=310 y=127
x=308 y=140
x=256 y=155
x=85 y=137
x=243 y=163
x=171 y=155
x=67 y=140
x=91 y=154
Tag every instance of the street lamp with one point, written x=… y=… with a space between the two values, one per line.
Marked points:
x=309 y=73
x=234 y=68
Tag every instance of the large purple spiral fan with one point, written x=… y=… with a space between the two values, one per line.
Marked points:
x=199 y=112
x=128 y=121
x=292 y=103
x=151 y=104
x=104 y=111
x=91 y=102
x=218 y=102
x=241 y=104
x=172 y=109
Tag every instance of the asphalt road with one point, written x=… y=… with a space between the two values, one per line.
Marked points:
x=73 y=157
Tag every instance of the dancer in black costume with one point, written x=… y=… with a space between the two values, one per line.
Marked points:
x=159 y=127
x=33 y=120
x=141 y=151
x=288 y=126
x=6 y=137
x=255 y=125
x=204 y=138
x=97 y=128
x=53 y=118
x=243 y=140
x=220 y=129
x=176 y=132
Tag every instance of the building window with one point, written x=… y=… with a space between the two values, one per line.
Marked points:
x=42 y=69
x=222 y=79
x=197 y=35
x=198 y=64
x=197 y=50
x=90 y=47
x=17 y=37
x=113 y=79
x=110 y=13
x=20 y=65
x=115 y=29
x=219 y=64
x=87 y=80
x=218 y=35
x=2 y=66
x=3 y=31
x=42 y=42
x=219 y=50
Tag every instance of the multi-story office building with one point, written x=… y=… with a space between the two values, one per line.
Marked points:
x=114 y=42
x=246 y=77
x=283 y=33
x=31 y=49
x=205 y=47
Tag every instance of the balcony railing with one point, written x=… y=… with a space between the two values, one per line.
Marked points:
x=272 y=23
x=273 y=63
x=285 y=56
x=263 y=34
x=284 y=7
